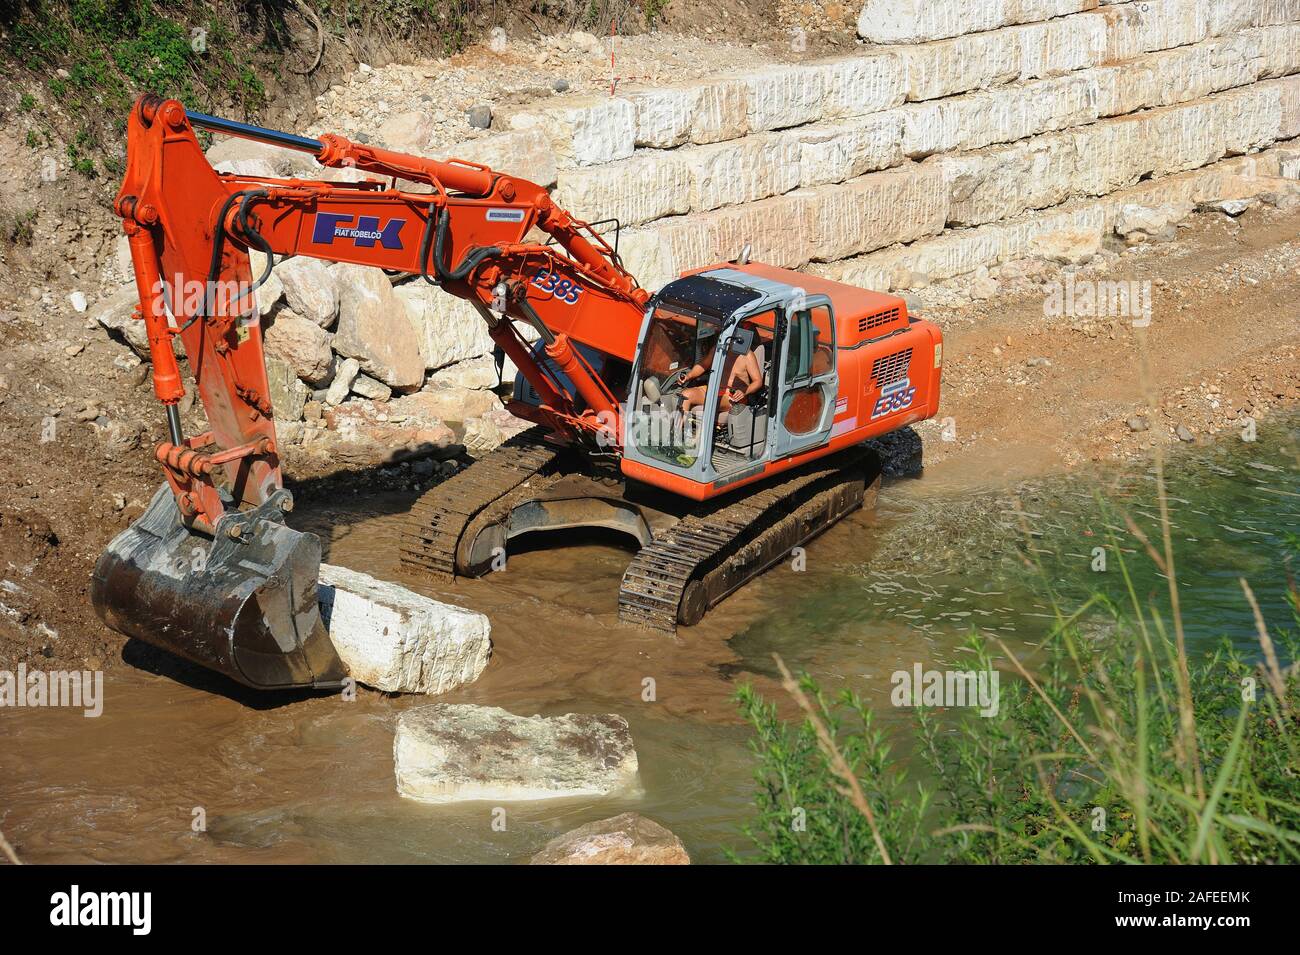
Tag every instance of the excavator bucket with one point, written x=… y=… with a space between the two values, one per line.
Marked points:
x=242 y=603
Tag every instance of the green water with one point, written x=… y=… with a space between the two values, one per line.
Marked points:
x=994 y=559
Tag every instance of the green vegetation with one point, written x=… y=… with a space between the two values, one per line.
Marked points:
x=1113 y=749
x=96 y=56
x=17 y=228
x=653 y=9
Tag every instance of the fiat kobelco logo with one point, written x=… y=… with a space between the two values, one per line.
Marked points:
x=366 y=232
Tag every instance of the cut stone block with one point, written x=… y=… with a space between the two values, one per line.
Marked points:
x=1175 y=76
x=873 y=211
x=1279 y=48
x=398 y=641
x=447 y=328
x=1096 y=159
x=1229 y=16
x=917 y=21
x=858 y=85
x=745 y=170
x=1004 y=181
x=585 y=132
x=834 y=152
x=650 y=185
x=706 y=112
x=628 y=839
x=1289 y=98
x=962 y=251
x=773 y=227
x=1000 y=115
x=1018 y=53
x=782 y=96
x=460 y=753
x=1141 y=27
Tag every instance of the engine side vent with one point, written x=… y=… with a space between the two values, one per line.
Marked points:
x=888 y=368
x=867 y=322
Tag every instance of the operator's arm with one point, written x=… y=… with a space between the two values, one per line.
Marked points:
x=701 y=367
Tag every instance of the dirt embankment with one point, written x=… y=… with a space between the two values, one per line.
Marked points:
x=1027 y=387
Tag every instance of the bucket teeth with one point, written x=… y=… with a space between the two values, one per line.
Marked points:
x=243 y=605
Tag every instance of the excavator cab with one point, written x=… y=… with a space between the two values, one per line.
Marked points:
x=733 y=371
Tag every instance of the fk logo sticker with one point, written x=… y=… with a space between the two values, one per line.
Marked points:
x=366 y=232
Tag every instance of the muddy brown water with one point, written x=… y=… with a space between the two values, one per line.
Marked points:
x=309 y=777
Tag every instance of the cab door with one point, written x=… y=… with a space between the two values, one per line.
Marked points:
x=808 y=382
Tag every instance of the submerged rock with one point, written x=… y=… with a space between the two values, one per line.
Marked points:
x=398 y=641
x=458 y=753
x=628 y=839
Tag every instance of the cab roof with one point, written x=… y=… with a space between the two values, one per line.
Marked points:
x=859 y=313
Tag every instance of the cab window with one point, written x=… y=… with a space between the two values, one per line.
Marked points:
x=812 y=343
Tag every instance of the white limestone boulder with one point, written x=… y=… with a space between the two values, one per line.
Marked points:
x=288 y=393
x=445 y=753
x=375 y=329
x=117 y=315
x=840 y=150
x=584 y=132
x=742 y=171
x=309 y=289
x=408 y=132
x=448 y=329
x=477 y=374
x=346 y=371
x=272 y=290
x=918 y=21
x=492 y=429
x=650 y=185
x=300 y=342
x=525 y=153
x=247 y=157
x=398 y=641
x=626 y=839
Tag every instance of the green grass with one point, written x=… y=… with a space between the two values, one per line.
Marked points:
x=94 y=57
x=1109 y=749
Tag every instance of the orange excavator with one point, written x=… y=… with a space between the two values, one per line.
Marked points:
x=720 y=421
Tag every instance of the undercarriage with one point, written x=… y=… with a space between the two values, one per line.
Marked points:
x=692 y=555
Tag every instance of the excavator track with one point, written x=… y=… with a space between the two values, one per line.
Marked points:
x=438 y=519
x=719 y=547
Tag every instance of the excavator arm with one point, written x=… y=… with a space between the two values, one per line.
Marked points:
x=477 y=233
x=210 y=571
